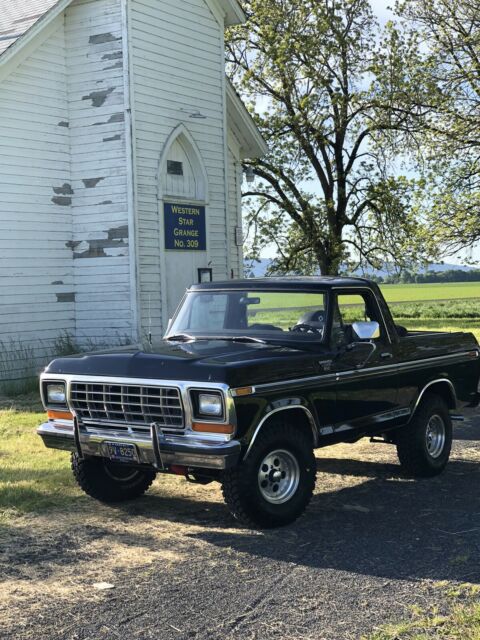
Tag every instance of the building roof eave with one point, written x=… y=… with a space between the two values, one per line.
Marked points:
x=234 y=13
x=22 y=39
x=242 y=124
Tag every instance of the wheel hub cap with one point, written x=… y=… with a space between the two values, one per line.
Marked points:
x=278 y=476
x=435 y=436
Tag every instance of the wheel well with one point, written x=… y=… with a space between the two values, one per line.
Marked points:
x=442 y=388
x=297 y=416
x=300 y=416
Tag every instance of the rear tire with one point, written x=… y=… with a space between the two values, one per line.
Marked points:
x=108 y=481
x=424 y=446
x=274 y=485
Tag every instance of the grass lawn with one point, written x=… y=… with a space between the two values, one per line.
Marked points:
x=32 y=477
x=460 y=622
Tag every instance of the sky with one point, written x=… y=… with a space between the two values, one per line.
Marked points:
x=381 y=8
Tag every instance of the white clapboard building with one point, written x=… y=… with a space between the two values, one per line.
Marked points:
x=121 y=143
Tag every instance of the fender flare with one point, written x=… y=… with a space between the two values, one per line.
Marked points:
x=308 y=413
x=431 y=384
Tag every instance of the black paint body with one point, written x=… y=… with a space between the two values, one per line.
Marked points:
x=365 y=389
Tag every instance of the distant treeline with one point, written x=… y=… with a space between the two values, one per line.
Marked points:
x=407 y=277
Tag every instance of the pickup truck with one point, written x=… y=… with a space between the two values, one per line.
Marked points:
x=251 y=377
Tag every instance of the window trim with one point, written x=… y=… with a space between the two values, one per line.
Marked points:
x=356 y=290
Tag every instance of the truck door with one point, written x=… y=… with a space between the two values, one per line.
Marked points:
x=367 y=375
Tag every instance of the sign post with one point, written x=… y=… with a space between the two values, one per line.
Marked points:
x=185 y=227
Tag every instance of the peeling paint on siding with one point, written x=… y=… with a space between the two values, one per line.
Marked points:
x=116 y=117
x=117 y=65
x=91 y=183
x=65 y=297
x=100 y=249
x=113 y=243
x=64 y=123
x=64 y=190
x=116 y=233
x=62 y=201
x=57 y=282
x=113 y=56
x=113 y=138
x=99 y=98
x=101 y=38
x=106 y=202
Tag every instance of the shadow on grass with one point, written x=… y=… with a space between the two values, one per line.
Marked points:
x=30 y=402
x=24 y=490
x=386 y=526
x=389 y=528
x=468 y=431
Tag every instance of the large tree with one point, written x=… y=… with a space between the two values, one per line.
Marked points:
x=330 y=93
x=449 y=156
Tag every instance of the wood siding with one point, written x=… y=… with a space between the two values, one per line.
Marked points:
x=64 y=237
x=178 y=69
x=100 y=242
x=36 y=271
x=66 y=241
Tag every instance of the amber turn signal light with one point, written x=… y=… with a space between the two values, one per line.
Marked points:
x=243 y=391
x=59 y=415
x=204 y=427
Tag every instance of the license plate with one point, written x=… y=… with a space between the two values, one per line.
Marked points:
x=121 y=452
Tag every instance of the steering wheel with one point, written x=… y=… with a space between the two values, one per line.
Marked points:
x=303 y=327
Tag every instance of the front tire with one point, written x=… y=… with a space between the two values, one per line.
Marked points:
x=274 y=485
x=424 y=446
x=108 y=481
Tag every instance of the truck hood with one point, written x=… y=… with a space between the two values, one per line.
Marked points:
x=232 y=363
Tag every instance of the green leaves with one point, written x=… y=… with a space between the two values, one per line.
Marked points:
x=335 y=98
x=448 y=153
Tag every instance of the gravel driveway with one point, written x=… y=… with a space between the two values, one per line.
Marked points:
x=175 y=566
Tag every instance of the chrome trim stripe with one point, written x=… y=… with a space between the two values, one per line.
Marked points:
x=303 y=382
x=310 y=417
x=359 y=373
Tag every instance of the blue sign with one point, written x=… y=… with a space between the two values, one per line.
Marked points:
x=185 y=227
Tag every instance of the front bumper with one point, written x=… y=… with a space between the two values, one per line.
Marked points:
x=155 y=450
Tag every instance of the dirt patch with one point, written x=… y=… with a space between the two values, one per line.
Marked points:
x=372 y=546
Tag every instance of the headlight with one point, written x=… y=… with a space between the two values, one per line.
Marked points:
x=207 y=405
x=210 y=404
x=56 y=394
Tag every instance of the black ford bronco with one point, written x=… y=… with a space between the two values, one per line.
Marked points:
x=252 y=376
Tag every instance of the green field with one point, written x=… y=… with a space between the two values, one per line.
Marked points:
x=422 y=292
x=426 y=307
x=436 y=307
x=394 y=293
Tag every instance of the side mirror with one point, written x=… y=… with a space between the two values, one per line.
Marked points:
x=366 y=330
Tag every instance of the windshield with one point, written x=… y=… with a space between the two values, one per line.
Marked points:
x=263 y=315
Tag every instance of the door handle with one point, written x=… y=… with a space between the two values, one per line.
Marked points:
x=386 y=354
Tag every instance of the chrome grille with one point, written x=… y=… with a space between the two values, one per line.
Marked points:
x=134 y=405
